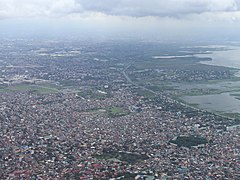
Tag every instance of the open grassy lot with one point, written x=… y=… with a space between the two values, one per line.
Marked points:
x=189 y=141
x=131 y=158
x=93 y=94
x=117 y=111
x=27 y=87
x=144 y=93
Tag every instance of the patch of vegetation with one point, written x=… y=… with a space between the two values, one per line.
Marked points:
x=131 y=158
x=44 y=90
x=200 y=92
x=68 y=83
x=32 y=88
x=189 y=141
x=193 y=104
x=52 y=86
x=117 y=111
x=92 y=94
x=95 y=110
x=161 y=88
x=3 y=86
x=236 y=96
x=128 y=176
x=232 y=115
x=145 y=93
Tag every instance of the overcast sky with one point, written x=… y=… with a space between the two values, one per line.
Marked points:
x=153 y=19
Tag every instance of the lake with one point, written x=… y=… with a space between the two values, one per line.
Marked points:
x=224 y=102
x=227 y=58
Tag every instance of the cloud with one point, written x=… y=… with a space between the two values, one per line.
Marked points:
x=133 y=8
x=175 y=8
x=37 y=8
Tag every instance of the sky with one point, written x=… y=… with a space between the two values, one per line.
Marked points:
x=163 y=20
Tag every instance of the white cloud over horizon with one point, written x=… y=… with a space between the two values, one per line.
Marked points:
x=37 y=8
x=162 y=19
x=131 y=8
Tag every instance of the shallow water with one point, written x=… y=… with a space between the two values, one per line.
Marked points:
x=227 y=58
x=216 y=102
x=225 y=102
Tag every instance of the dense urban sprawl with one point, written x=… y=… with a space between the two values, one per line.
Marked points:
x=90 y=122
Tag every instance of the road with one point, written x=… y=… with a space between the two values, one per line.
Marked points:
x=164 y=96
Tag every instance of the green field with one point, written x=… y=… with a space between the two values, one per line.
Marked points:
x=117 y=111
x=144 y=93
x=189 y=141
x=30 y=88
x=199 y=92
x=93 y=94
x=232 y=115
